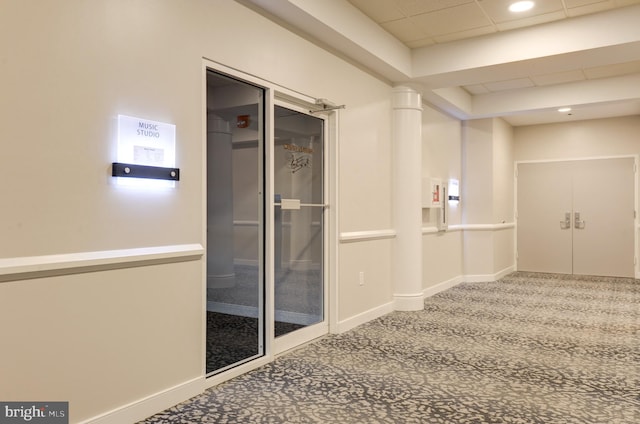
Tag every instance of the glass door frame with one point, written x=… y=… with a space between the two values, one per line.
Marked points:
x=296 y=101
x=261 y=140
x=306 y=334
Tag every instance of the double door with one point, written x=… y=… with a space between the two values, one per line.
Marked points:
x=577 y=217
x=266 y=225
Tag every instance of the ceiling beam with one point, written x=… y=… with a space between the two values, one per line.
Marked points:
x=344 y=28
x=574 y=94
x=590 y=40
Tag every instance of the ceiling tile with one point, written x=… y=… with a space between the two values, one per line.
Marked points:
x=404 y=29
x=476 y=89
x=558 y=78
x=509 y=85
x=465 y=34
x=530 y=21
x=423 y=42
x=378 y=10
x=418 y=7
x=453 y=19
x=589 y=8
x=579 y=3
x=613 y=70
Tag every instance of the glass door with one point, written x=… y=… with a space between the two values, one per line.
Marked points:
x=299 y=224
x=235 y=230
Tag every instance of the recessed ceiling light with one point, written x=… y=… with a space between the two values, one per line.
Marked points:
x=564 y=109
x=521 y=6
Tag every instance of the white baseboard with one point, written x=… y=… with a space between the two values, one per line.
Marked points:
x=150 y=405
x=364 y=317
x=416 y=302
x=489 y=277
x=430 y=291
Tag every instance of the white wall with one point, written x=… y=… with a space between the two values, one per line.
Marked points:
x=579 y=139
x=502 y=172
x=118 y=334
x=487 y=199
x=365 y=175
x=503 y=197
x=442 y=159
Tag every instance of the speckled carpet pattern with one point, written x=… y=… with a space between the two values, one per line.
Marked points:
x=530 y=348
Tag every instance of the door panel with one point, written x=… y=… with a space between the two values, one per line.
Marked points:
x=235 y=229
x=544 y=198
x=603 y=196
x=299 y=225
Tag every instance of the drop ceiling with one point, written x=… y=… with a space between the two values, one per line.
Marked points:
x=475 y=59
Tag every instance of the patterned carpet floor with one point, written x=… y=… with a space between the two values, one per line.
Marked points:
x=530 y=348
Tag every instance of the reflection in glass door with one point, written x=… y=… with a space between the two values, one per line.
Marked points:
x=299 y=216
x=235 y=206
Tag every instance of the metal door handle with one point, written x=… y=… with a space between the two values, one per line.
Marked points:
x=566 y=224
x=578 y=223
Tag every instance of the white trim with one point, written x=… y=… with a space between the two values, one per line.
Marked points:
x=68 y=263
x=234 y=372
x=636 y=182
x=281 y=91
x=364 y=317
x=486 y=278
x=408 y=302
x=298 y=338
x=488 y=227
x=429 y=230
x=471 y=227
x=150 y=405
x=355 y=236
x=452 y=228
x=576 y=159
x=442 y=286
x=333 y=232
x=203 y=213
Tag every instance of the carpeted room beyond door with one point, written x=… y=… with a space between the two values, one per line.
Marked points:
x=530 y=348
